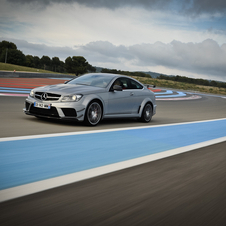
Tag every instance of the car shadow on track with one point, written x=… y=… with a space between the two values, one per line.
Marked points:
x=105 y=122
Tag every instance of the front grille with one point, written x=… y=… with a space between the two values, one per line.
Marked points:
x=70 y=112
x=47 y=96
x=52 y=112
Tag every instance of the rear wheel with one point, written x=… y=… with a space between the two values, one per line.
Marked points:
x=147 y=113
x=93 y=114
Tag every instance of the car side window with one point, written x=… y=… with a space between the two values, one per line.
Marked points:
x=134 y=85
x=120 y=82
x=126 y=83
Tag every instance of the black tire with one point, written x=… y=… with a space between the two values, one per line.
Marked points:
x=93 y=113
x=147 y=113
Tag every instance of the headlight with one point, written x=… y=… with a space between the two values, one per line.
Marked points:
x=32 y=93
x=72 y=98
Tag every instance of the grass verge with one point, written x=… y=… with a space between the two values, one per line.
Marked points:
x=12 y=67
x=182 y=86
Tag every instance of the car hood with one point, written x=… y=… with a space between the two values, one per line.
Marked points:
x=68 y=89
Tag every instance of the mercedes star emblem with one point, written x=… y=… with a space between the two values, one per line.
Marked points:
x=44 y=96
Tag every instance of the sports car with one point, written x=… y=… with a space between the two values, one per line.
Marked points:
x=91 y=98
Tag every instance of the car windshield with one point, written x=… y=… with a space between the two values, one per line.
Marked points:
x=97 y=80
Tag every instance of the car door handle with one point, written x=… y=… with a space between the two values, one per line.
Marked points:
x=131 y=94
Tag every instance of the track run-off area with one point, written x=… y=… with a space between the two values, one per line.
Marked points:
x=167 y=172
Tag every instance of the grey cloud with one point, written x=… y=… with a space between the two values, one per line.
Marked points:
x=192 y=7
x=200 y=6
x=108 y=50
x=206 y=57
x=41 y=49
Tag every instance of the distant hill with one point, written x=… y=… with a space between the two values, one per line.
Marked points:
x=98 y=69
x=153 y=74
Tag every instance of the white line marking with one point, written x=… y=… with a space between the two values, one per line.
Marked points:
x=14 y=95
x=193 y=97
x=205 y=94
x=99 y=131
x=39 y=186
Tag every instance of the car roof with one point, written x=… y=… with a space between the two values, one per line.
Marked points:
x=111 y=75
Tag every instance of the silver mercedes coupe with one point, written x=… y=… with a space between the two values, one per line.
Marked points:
x=91 y=98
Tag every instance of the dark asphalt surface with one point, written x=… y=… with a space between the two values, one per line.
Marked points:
x=15 y=123
x=187 y=189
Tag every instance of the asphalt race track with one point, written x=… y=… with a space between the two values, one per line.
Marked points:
x=184 y=189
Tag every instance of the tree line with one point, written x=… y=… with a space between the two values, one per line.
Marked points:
x=76 y=65
x=128 y=73
x=195 y=81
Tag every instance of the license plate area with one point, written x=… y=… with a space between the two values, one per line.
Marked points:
x=42 y=105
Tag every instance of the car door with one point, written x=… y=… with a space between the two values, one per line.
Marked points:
x=136 y=91
x=120 y=102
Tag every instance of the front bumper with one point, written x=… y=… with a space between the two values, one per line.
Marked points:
x=154 y=109
x=58 y=110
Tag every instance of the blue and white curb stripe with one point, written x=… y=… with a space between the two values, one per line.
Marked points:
x=166 y=95
x=14 y=90
x=47 y=161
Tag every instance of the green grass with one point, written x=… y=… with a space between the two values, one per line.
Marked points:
x=182 y=86
x=12 y=67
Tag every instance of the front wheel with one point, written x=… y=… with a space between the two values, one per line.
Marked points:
x=93 y=114
x=147 y=113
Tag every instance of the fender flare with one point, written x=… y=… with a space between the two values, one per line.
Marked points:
x=144 y=102
x=93 y=97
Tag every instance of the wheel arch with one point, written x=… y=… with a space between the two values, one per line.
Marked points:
x=97 y=100
x=91 y=98
x=145 y=101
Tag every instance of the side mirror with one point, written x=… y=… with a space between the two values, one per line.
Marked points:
x=117 y=88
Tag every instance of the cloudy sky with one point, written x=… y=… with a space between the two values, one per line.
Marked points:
x=178 y=37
